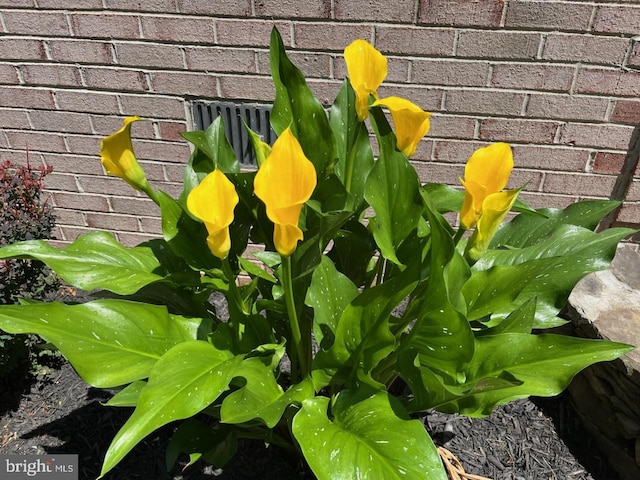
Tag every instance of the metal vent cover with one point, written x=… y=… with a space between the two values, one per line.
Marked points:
x=257 y=117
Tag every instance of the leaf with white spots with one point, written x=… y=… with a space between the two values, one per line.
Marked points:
x=186 y=380
x=368 y=437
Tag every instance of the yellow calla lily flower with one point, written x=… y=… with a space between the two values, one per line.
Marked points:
x=213 y=202
x=366 y=68
x=410 y=121
x=284 y=182
x=117 y=157
x=487 y=172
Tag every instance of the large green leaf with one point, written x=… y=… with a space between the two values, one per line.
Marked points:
x=261 y=397
x=95 y=260
x=216 y=444
x=109 y=342
x=368 y=437
x=186 y=380
x=297 y=107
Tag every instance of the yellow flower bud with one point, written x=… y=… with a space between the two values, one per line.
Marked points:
x=411 y=123
x=366 y=68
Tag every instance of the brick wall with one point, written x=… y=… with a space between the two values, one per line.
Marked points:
x=559 y=80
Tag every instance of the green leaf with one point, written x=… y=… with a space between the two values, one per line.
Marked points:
x=217 y=444
x=186 y=380
x=95 y=260
x=261 y=397
x=128 y=396
x=215 y=146
x=296 y=107
x=368 y=437
x=109 y=342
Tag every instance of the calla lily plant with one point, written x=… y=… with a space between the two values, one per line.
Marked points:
x=340 y=277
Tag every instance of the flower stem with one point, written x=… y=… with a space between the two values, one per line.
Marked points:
x=234 y=291
x=299 y=359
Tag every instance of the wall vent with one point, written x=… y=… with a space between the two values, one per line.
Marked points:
x=233 y=114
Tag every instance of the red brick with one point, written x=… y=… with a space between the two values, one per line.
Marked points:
x=38 y=23
x=407 y=40
x=512 y=130
x=312 y=65
x=483 y=13
x=608 y=81
x=110 y=221
x=240 y=8
x=178 y=29
x=149 y=55
x=151 y=225
x=450 y=126
x=567 y=107
x=634 y=191
x=585 y=48
x=153 y=106
x=80 y=51
x=532 y=76
x=51 y=74
x=236 y=32
x=14 y=119
x=106 y=125
x=71 y=4
x=617 y=19
x=330 y=36
x=171 y=131
x=174 y=190
x=162 y=151
x=626 y=111
x=8 y=74
x=634 y=57
x=69 y=163
x=103 y=184
x=80 y=201
x=37 y=141
x=56 y=121
x=133 y=239
x=484 y=102
x=173 y=172
x=398 y=11
x=397 y=68
x=83 y=144
x=59 y=181
x=325 y=91
x=529 y=180
x=578 y=184
x=447 y=72
x=609 y=163
x=120 y=79
x=456 y=151
x=21 y=49
x=105 y=25
x=629 y=214
x=614 y=137
x=547 y=200
x=68 y=234
x=87 y=101
x=21 y=157
x=434 y=172
x=220 y=59
x=542 y=15
x=427 y=98
x=70 y=217
x=156 y=6
x=133 y=205
x=550 y=157
x=26 y=97
x=498 y=44
x=197 y=84
x=247 y=87
x=16 y=3
x=293 y=8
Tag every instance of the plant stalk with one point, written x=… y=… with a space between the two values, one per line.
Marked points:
x=299 y=359
x=233 y=288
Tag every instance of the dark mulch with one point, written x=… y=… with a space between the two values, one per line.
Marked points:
x=525 y=440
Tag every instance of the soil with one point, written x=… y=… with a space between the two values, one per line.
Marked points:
x=536 y=439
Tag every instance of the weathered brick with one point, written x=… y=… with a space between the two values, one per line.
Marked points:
x=106 y=125
x=70 y=217
x=330 y=36
x=133 y=205
x=413 y=40
x=240 y=8
x=178 y=29
x=484 y=102
x=80 y=201
x=21 y=49
x=26 y=97
x=51 y=74
x=541 y=15
x=451 y=126
x=149 y=55
x=197 y=84
x=162 y=151
x=293 y=9
x=8 y=74
x=549 y=157
x=111 y=221
x=578 y=184
x=61 y=181
x=498 y=44
x=617 y=19
x=168 y=6
x=94 y=102
x=80 y=51
x=83 y=144
x=400 y=11
x=102 y=184
x=20 y=156
x=567 y=107
x=14 y=119
x=247 y=87
x=626 y=111
x=105 y=25
x=118 y=79
x=533 y=76
x=609 y=163
x=16 y=3
x=37 y=141
x=455 y=151
x=634 y=57
x=56 y=121
x=236 y=32
x=515 y=130
x=153 y=106
x=35 y=23
x=629 y=214
x=585 y=48
x=482 y=13
x=220 y=59
x=397 y=69
x=70 y=163
x=71 y=4
x=608 y=81
x=171 y=131
x=634 y=191
x=447 y=72
x=614 y=137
